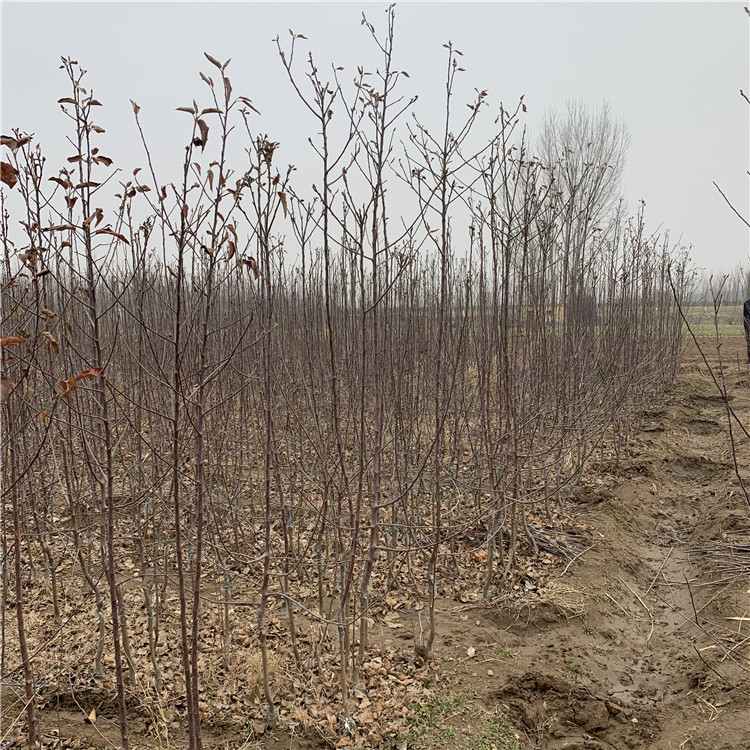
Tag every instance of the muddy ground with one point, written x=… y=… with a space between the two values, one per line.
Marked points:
x=641 y=639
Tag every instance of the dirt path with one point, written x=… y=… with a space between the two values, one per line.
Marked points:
x=641 y=643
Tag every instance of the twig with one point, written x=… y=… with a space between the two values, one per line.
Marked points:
x=692 y=601
x=714 y=711
x=575 y=557
x=729 y=203
x=728 y=652
x=658 y=572
x=612 y=599
x=732 y=685
x=645 y=606
x=4 y=738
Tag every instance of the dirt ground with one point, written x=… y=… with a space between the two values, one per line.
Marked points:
x=648 y=643
x=641 y=639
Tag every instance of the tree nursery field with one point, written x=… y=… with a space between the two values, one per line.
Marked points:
x=286 y=467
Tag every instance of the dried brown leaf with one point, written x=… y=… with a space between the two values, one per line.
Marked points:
x=14 y=143
x=212 y=60
x=8 y=340
x=58 y=227
x=204 y=133
x=8 y=174
x=6 y=386
x=67 y=386
x=254 y=266
x=50 y=341
x=119 y=236
x=97 y=216
x=90 y=373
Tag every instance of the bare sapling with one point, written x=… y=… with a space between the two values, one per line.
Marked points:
x=100 y=456
x=432 y=171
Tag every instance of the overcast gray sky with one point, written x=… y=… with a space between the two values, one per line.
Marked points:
x=672 y=70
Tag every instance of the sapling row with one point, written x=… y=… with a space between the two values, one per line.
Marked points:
x=242 y=409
